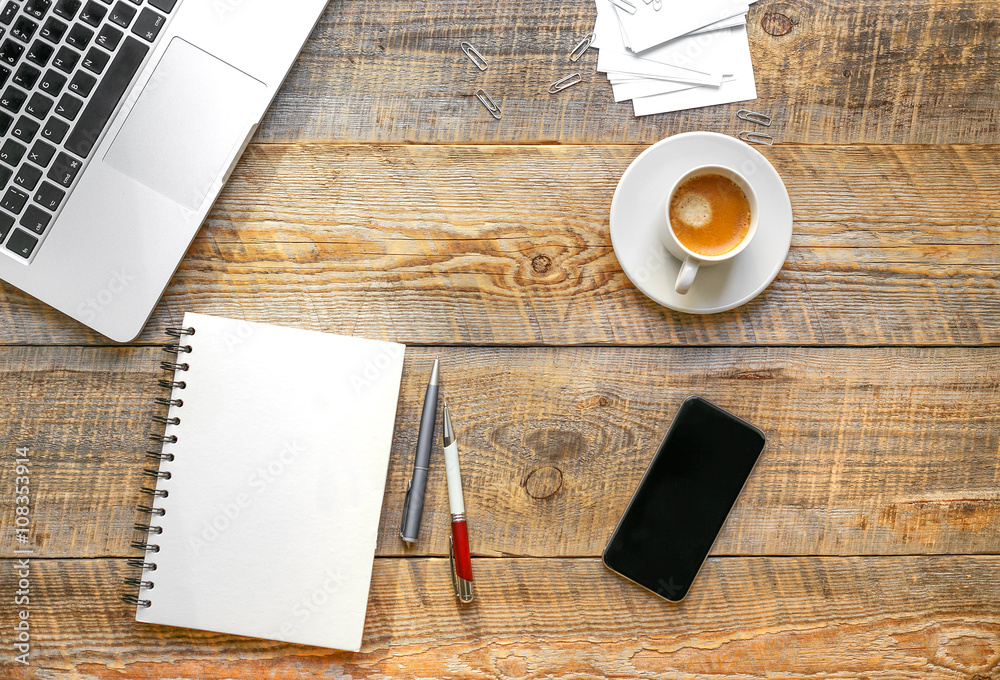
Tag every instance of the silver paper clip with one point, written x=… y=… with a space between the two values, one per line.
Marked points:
x=624 y=5
x=754 y=117
x=756 y=137
x=561 y=84
x=473 y=54
x=488 y=102
x=657 y=4
x=581 y=47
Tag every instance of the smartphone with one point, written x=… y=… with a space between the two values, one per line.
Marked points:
x=683 y=499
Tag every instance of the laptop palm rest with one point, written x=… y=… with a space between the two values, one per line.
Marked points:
x=194 y=111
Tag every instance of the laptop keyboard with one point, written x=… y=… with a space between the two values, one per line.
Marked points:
x=64 y=67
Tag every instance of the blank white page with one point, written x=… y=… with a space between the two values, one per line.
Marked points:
x=276 y=485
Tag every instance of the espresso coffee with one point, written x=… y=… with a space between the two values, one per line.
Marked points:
x=710 y=214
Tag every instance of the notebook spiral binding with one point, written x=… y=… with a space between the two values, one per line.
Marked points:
x=147 y=528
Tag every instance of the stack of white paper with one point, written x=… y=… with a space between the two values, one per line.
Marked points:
x=682 y=55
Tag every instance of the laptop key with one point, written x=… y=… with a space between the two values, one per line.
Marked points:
x=26 y=76
x=27 y=178
x=53 y=30
x=65 y=169
x=66 y=59
x=52 y=82
x=4 y=74
x=26 y=129
x=106 y=97
x=82 y=83
x=49 y=196
x=5 y=174
x=6 y=120
x=11 y=51
x=96 y=60
x=8 y=13
x=68 y=107
x=12 y=99
x=109 y=37
x=40 y=153
x=55 y=129
x=67 y=9
x=93 y=13
x=6 y=222
x=122 y=14
x=37 y=8
x=22 y=243
x=35 y=219
x=39 y=106
x=79 y=36
x=14 y=200
x=11 y=152
x=163 y=5
x=148 y=25
x=40 y=52
x=23 y=29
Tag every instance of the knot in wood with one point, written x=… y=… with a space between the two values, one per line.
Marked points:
x=776 y=23
x=544 y=482
x=541 y=263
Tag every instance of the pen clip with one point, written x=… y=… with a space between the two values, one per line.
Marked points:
x=406 y=509
x=454 y=570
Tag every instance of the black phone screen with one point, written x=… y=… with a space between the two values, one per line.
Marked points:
x=684 y=498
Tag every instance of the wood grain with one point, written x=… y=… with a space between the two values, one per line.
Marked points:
x=898 y=72
x=766 y=617
x=510 y=245
x=871 y=451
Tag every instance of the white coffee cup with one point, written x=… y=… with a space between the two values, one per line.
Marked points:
x=692 y=261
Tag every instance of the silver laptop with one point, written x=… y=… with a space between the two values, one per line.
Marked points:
x=120 y=121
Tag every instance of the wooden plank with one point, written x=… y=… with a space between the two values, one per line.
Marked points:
x=510 y=245
x=807 y=617
x=871 y=451
x=898 y=72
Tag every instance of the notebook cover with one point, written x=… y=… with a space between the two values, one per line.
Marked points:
x=276 y=485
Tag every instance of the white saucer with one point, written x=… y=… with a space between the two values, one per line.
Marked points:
x=639 y=205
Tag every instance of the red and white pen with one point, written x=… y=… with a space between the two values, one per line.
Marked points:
x=458 y=548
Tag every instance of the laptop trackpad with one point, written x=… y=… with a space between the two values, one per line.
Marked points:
x=194 y=111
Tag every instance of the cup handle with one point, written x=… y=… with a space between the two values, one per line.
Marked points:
x=685 y=277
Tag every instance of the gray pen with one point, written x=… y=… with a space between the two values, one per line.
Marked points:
x=413 y=504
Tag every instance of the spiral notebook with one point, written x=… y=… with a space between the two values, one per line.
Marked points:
x=265 y=510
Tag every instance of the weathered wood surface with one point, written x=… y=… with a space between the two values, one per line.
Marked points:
x=510 y=245
x=894 y=71
x=763 y=617
x=380 y=200
x=871 y=451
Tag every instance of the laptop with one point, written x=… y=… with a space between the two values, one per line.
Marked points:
x=120 y=121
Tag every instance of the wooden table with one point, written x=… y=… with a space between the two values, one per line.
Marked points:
x=379 y=199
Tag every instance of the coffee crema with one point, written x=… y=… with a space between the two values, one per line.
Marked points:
x=710 y=214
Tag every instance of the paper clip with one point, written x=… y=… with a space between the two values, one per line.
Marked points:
x=624 y=5
x=657 y=4
x=581 y=47
x=754 y=117
x=756 y=137
x=488 y=102
x=561 y=84
x=473 y=54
